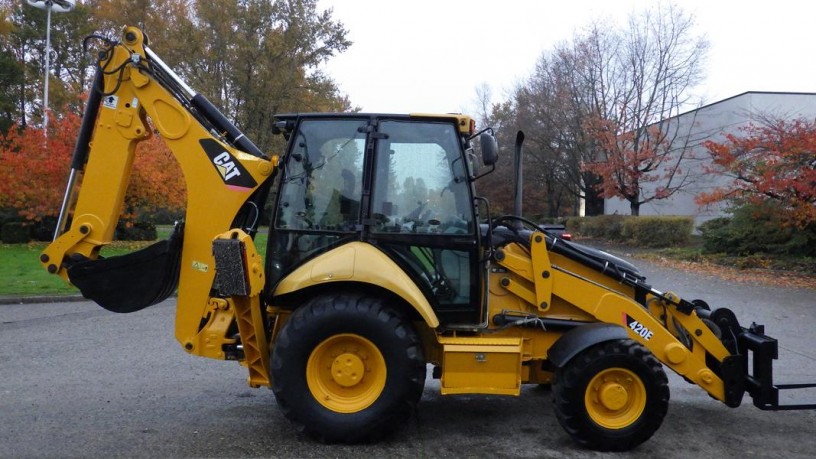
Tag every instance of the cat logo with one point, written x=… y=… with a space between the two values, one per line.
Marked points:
x=234 y=175
x=225 y=166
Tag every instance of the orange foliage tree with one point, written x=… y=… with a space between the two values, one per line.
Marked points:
x=156 y=183
x=640 y=165
x=773 y=162
x=35 y=172
x=34 y=168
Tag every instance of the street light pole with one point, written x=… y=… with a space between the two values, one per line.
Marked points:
x=59 y=6
x=47 y=65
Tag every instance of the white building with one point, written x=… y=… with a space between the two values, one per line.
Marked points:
x=712 y=122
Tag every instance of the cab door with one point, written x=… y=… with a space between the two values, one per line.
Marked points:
x=422 y=214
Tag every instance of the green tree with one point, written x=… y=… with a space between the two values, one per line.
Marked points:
x=256 y=58
x=168 y=24
x=22 y=60
x=251 y=58
x=11 y=74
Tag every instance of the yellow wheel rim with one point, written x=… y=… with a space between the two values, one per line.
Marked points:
x=346 y=373
x=615 y=398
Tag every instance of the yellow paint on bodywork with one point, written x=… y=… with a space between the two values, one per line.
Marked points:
x=612 y=307
x=481 y=365
x=359 y=262
x=615 y=398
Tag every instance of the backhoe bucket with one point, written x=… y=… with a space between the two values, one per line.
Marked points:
x=131 y=282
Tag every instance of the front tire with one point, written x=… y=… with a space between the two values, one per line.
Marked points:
x=347 y=368
x=611 y=397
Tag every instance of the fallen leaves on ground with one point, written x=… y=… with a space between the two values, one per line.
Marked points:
x=776 y=278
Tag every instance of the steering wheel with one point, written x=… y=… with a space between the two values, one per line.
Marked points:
x=306 y=223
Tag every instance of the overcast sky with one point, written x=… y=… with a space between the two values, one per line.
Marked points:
x=430 y=55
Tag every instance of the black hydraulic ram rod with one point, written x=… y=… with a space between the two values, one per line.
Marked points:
x=81 y=148
x=214 y=116
x=208 y=110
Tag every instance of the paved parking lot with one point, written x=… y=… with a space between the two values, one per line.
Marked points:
x=78 y=381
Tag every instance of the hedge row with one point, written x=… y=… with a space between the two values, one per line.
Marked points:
x=758 y=229
x=20 y=232
x=15 y=231
x=641 y=231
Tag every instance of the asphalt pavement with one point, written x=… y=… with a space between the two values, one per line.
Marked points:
x=79 y=381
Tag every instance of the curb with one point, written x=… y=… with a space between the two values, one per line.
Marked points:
x=7 y=300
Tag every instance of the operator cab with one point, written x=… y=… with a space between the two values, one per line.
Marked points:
x=401 y=183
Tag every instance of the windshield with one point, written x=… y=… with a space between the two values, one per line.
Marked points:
x=322 y=180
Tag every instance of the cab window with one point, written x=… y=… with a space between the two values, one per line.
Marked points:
x=321 y=189
x=420 y=184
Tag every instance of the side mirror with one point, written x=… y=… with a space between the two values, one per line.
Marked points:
x=490 y=149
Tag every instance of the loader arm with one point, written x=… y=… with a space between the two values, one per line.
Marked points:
x=707 y=347
x=225 y=177
x=607 y=303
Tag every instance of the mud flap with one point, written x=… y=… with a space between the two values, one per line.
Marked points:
x=131 y=282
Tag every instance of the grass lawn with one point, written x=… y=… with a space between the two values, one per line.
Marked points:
x=21 y=273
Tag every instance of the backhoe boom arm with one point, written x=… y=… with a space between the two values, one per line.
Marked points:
x=222 y=169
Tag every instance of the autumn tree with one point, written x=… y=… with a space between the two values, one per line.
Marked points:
x=545 y=188
x=641 y=79
x=34 y=176
x=552 y=106
x=156 y=183
x=34 y=172
x=641 y=166
x=772 y=162
x=168 y=24
x=599 y=111
x=253 y=58
x=498 y=186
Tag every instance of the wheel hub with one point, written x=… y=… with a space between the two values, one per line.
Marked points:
x=347 y=369
x=346 y=373
x=613 y=396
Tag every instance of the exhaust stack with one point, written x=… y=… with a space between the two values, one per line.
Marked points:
x=517 y=206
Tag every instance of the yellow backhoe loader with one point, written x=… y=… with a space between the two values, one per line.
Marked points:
x=382 y=262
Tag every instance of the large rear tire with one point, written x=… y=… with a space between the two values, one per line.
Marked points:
x=611 y=397
x=347 y=368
